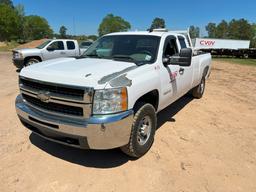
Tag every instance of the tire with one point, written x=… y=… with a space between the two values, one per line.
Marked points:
x=143 y=131
x=31 y=61
x=198 y=91
x=246 y=56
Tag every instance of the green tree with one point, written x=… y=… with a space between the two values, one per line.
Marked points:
x=93 y=37
x=21 y=18
x=194 y=31
x=112 y=23
x=36 y=27
x=222 y=30
x=240 y=29
x=157 y=23
x=253 y=40
x=7 y=2
x=211 y=29
x=9 y=23
x=63 y=31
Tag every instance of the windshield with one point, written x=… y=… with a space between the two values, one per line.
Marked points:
x=132 y=48
x=43 y=44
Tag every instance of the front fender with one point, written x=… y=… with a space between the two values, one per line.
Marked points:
x=143 y=80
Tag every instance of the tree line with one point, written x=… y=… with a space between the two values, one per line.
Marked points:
x=15 y=25
x=235 y=29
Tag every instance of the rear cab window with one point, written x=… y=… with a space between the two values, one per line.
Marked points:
x=71 y=45
x=182 y=42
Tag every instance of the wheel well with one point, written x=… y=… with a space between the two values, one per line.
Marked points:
x=32 y=57
x=205 y=71
x=151 y=97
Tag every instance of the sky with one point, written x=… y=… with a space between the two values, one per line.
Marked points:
x=82 y=17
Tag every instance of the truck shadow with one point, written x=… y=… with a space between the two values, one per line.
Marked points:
x=102 y=158
x=167 y=114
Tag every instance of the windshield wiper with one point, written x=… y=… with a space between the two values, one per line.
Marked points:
x=124 y=58
x=128 y=58
x=92 y=55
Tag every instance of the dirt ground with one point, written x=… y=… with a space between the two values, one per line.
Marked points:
x=206 y=145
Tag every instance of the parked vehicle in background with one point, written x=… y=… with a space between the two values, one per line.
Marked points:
x=110 y=96
x=50 y=49
x=85 y=45
x=225 y=47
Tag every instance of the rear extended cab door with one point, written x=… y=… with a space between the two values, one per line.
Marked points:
x=72 y=48
x=185 y=72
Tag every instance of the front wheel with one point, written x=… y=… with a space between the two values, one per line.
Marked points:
x=31 y=61
x=143 y=131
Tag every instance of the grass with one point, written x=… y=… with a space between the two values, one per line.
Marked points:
x=251 y=62
x=9 y=46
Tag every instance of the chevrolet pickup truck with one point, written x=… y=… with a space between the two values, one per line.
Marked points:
x=110 y=96
x=50 y=49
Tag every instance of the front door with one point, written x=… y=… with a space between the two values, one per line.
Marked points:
x=169 y=74
x=54 y=50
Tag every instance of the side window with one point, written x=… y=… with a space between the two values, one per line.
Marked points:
x=182 y=42
x=170 y=48
x=57 y=45
x=86 y=44
x=70 y=45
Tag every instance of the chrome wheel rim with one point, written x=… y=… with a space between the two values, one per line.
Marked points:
x=31 y=62
x=201 y=86
x=144 y=130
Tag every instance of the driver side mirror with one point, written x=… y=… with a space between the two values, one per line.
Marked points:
x=183 y=59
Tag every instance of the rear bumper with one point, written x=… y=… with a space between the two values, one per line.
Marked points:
x=97 y=132
x=19 y=63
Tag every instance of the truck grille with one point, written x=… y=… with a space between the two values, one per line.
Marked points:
x=57 y=99
x=55 y=107
x=69 y=92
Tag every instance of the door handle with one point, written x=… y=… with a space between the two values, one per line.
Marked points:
x=62 y=52
x=181 y=71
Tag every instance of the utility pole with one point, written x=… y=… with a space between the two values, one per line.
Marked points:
x=74 y=26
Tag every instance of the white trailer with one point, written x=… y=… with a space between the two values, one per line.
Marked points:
x=206 y=43
x=224 y=47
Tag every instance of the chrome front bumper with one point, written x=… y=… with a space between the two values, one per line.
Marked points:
x=96 y=132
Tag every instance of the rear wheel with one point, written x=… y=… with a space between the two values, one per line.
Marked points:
x=198 y=91
x=31 y=61
x=143 y=131
x=246 y=56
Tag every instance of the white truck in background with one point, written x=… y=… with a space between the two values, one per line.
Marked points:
x=110 y=96
x=50 y=49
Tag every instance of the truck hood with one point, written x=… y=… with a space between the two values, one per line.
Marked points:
x=88 y=72
x=28 y=50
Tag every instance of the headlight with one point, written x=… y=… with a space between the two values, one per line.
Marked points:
x=108 y=101
x=17 y=55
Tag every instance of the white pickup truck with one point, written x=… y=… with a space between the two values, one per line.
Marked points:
x=109 y=97
x=50 y=49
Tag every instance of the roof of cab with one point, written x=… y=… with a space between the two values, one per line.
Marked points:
x=153 y=33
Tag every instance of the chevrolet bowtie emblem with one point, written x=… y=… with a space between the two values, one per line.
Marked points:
x=44 y=96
